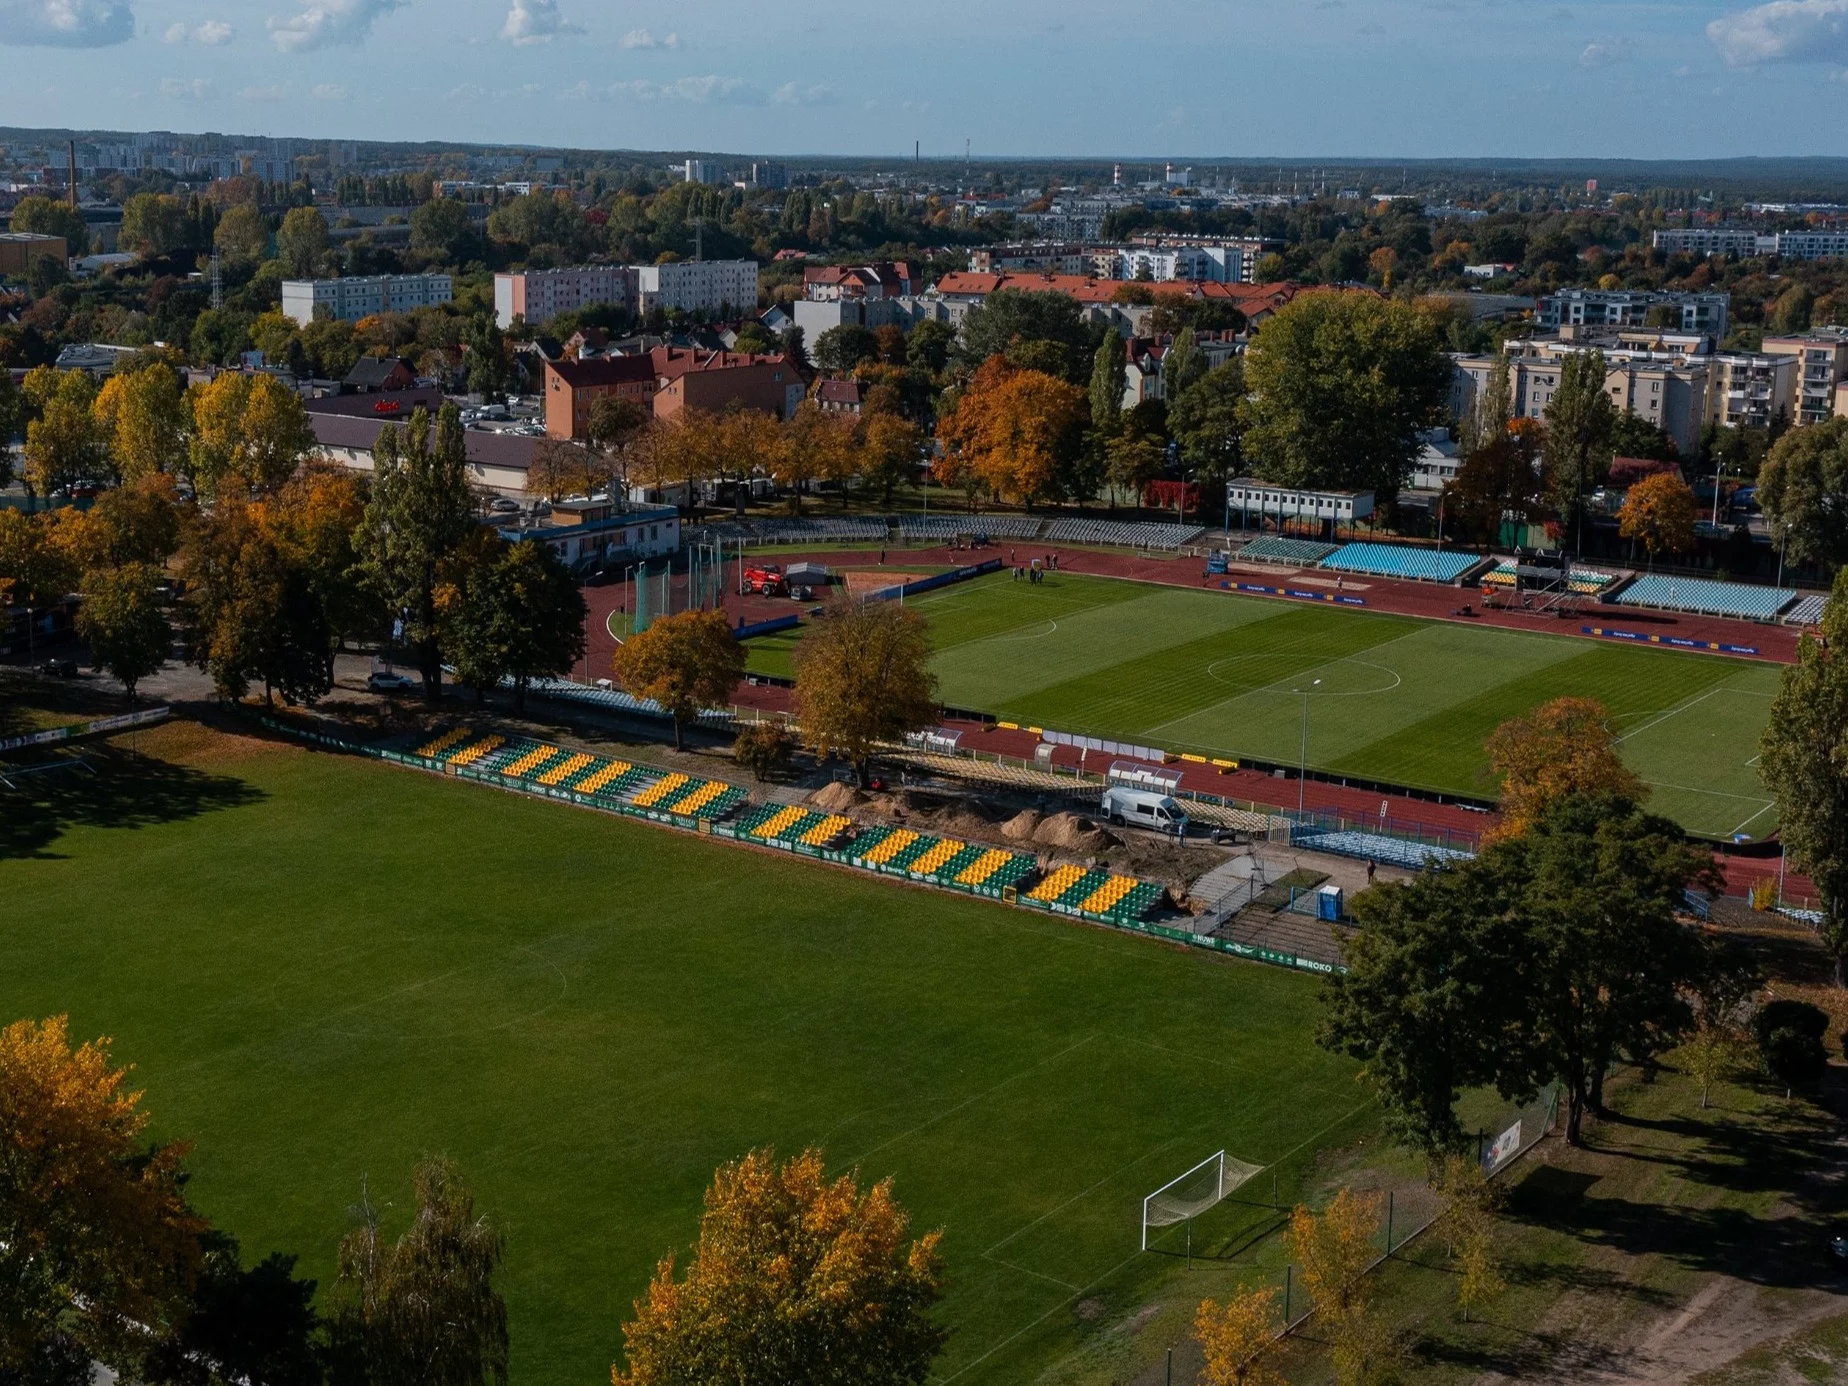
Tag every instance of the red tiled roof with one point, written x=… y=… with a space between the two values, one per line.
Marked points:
x=670 y=363
x=841 y=392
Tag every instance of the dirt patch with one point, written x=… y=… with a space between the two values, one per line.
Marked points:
x=1070 y=832
x=1022 y=826
x=185 y=742
x=837 y=797
x=860 y=581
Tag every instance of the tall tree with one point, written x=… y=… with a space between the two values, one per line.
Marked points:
x=1014 y=430
x=143 y=415
x=242 y=233
x=1803 y=764
x=47 y=216
x=863 y=679
x=153 y=224
x=796 y=1280
x=441 y=229
x=419 y=515
x=516 y=614
x=1566 y=746
x=891 y=447
x=1205 y=422
x=63 y=443
x=301 y=242
x=1182 y=365
x=1490 y=411
x=1014 y=318
x=1341 y=385
x=1334 y=1251
x=1467 y=1222
x=814 y=446
x=1579 y=419
x=840 y=349
x=1109 y=370
x=687 y=663
x=122 y=621
x=97 y=1245
x=1800 y=486
x=423 y=1310
x=249 y=432
x=1498 y=478
x=1660 y=511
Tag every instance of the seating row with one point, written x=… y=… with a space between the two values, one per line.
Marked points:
x=557 y=767
x=1707 y=597
x=1304 y=553
x=1808 y=611
x=1393 y=561
x=1123 y=532
x=1584 y=581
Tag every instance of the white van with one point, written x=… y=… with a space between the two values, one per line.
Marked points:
x=1143 y=808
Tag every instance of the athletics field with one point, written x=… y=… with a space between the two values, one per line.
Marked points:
x=1400 y=700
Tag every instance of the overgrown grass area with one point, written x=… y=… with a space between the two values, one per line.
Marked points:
x=1389 y=698
x=323 y=968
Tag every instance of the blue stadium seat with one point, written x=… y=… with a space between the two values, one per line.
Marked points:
x=1303 y=553
x=1706 y=597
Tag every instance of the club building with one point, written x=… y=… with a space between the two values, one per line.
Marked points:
x=1258 y=500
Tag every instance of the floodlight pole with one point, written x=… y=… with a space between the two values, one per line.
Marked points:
x=1302 y=766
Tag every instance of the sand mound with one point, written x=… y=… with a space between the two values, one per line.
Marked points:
x=1071 y=833
x=1022 y=826
x=837 y=797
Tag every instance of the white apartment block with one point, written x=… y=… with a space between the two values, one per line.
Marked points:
x=1744 y=242
x=702 y=171
x=348 y=300
x=537 y=296
x=1822 y=365
x=699 y=286
x=1705 y=313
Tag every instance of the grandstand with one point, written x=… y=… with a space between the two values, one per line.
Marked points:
x=1123 y=533
x=1393 y=561
x=942 y=527
x=1583 y=582
x=1807 y=611
x=1298 y=553
x=847 y=528
x=1705 y=597
x=1392 y=851
x=540 y=764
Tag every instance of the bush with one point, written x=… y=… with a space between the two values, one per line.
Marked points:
x=764 y=747
x=1789 y=1035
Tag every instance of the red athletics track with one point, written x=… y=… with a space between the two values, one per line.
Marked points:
x=1429 y=601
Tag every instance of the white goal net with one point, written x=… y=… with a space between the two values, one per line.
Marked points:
x=1185 y=1198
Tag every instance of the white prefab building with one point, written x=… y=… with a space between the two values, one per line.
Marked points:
x=1261 y=499
x=538 y=296
x=349 y=300
x=699 y=286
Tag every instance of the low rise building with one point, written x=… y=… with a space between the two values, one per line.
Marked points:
x=712 y=381
x=1705 y=313
x=588 y=535
x=537 y=296
x=18 y=249
x=349 y=300
x=573 y=389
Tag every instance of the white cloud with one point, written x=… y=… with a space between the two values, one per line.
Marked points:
x=328 y=22
x=189 y=88
x=212 y=33
x=710 y=90
x=1785 y=31
x=329 y=91
x=536 y=21
x=469 y=91
x=66 y=23
x=789 y=94
x=275 y=91
x=1602 y=54
x=641 y=38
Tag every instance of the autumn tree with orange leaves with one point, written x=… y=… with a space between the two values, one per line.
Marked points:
x=1239 y=1338
x=1333 y=1252
x=796 y=1280
x=98 y=1250
x=1660 y=511
x=1014 y=431
x=1563 y=747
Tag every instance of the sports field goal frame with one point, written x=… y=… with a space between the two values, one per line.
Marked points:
x=1213 y=1180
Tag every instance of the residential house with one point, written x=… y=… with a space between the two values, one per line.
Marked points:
x=372 y=375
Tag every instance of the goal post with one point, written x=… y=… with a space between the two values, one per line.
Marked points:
x=1185 y=1197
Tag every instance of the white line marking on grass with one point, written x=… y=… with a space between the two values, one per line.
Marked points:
x=970 y=1101
x=1293 y=678
x=1126 y=1260
x=1672 y=712
x=1753 y=819
x=1050 y=1279
x=1114 y=1174
x=1716 y=793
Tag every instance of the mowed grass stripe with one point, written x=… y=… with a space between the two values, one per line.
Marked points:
x=1445 y=751
x=1140 y=696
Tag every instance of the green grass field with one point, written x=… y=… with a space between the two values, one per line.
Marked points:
x=323 y=968
x=1400 y=700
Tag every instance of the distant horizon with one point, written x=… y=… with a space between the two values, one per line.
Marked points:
x=1391 y=79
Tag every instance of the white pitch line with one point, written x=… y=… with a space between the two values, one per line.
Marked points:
x=1753 y=819
x=1716 y=793
x=1114 y=1174
x=1672 y=712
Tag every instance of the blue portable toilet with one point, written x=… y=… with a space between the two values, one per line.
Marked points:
x=1328 y=903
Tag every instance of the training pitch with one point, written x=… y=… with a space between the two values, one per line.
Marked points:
x=1400 y=700
x=323 y=968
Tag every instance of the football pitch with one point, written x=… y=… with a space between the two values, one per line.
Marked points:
x=1390 y=698
x=323 y=968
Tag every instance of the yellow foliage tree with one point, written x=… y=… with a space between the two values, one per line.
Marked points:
x=814 y=446
x=1014 y=430
x=1239 y=1339
x=143 y=417
x=1560 y=748
x=686 y=663
x=1468 y=1225
x=63 y=443
x=1660 y=511
x=248 y=431
x=796 y=1280
x=863 y=679
x=97 y=1245
x=1333 y=1252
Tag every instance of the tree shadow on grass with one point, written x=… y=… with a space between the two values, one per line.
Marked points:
x=1529 y=1354
x=108 y=787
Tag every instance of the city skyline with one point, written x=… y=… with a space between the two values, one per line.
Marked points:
x=1416 y=78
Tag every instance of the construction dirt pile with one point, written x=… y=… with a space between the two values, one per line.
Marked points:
x=1069 y=832
x=837 y=797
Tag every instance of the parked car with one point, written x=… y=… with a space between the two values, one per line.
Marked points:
x=389 y=681
x=59 y=668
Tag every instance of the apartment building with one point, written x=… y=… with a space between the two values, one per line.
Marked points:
x=349 y=300
x=573 y=390
x=667 y=380
x=1822 y=365
x=1744 y=242
x=1200 y=258
x=769 y=174
x=1753 y=389
x=695 y=286
x=540 y=295
x=1038 y=257
x=702 y=171
x=1707 y=313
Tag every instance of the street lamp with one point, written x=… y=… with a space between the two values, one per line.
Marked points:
x=1302 y=763
x=1781 y=543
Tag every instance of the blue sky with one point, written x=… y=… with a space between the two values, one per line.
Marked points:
x=1202 y=78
